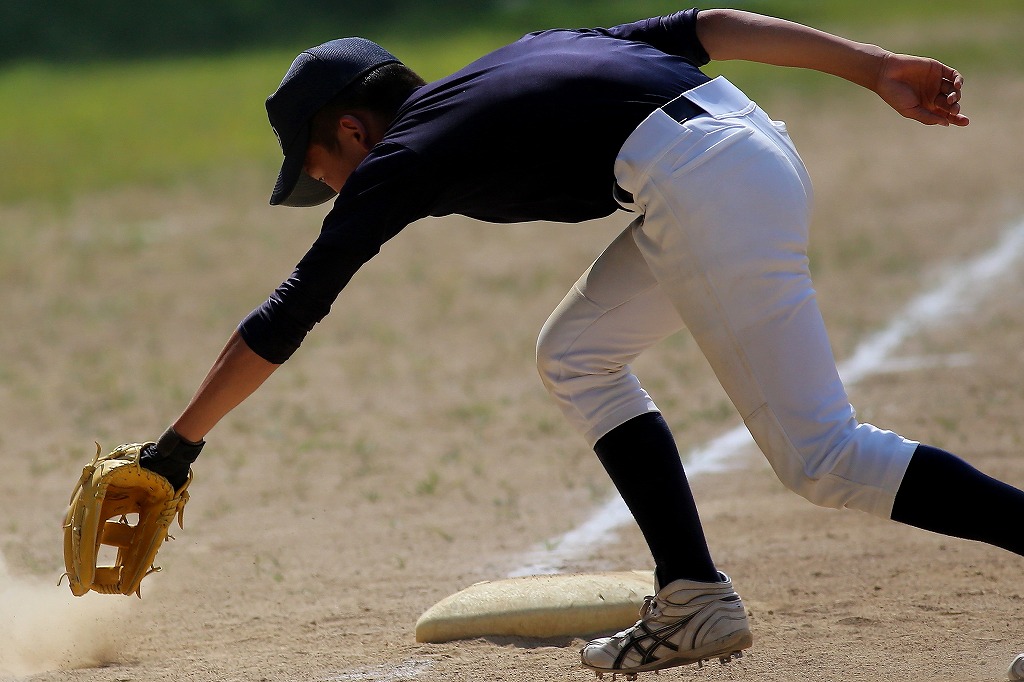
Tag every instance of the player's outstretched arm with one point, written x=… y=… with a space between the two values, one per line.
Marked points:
x=150 y=482
x=917 y=87
x=236 y=374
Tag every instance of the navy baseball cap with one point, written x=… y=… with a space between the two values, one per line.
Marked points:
x=313 y=79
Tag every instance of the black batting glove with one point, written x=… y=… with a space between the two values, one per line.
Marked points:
x=171 y=457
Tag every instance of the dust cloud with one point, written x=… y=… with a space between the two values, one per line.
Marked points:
x=44 y=627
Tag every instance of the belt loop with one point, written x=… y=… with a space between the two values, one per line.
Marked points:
x=622 y=197
x=681 y=109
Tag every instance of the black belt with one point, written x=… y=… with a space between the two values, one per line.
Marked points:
x=680 y=109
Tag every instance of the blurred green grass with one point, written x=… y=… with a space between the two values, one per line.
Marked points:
x=65 y=130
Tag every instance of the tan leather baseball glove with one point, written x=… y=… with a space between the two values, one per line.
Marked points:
x=118 y=503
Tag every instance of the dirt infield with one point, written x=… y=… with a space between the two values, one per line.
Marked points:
x=409 y=450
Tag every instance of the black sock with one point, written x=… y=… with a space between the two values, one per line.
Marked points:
x=641 y=458
x=944 y=494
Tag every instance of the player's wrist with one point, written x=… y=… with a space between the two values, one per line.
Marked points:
x=171 y=456
x=171 y=441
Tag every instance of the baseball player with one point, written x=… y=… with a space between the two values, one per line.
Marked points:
x=570 y=125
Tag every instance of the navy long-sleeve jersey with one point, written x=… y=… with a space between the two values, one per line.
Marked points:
x=527 y=132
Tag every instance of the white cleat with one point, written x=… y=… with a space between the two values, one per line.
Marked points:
x=686 y=622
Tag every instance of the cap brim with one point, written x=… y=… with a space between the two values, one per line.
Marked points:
x=307 y=192
x=294 y=187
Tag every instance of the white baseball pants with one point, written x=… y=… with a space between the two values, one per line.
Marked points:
x=720 y=248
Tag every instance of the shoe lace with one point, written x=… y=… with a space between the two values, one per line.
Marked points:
x=651 y=608
x=647 y=608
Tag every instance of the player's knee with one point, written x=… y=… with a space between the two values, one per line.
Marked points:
x=820 y=491
x=820 y=473
x=565 y=367
x=556 y=363
x=548 y=352
x=836 y=463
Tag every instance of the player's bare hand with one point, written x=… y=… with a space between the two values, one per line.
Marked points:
x=921 y=89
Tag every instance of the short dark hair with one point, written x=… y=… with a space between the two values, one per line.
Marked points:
x=380 y=93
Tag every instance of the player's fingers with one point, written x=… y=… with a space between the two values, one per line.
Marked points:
x=937 y=116
x=925 y=116
x=950 y=86
x=947 y=102
x=956 y=118
x=944 y=116
x=959 y=120
x=952 y=76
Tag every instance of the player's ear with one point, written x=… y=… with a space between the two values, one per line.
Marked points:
x=352 y=130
